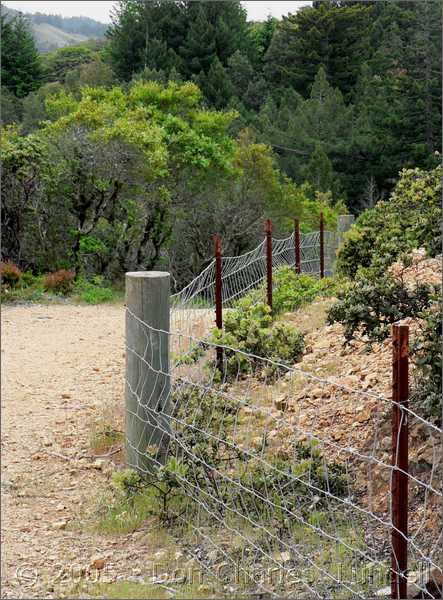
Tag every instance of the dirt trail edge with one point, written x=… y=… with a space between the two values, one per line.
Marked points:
x=61 y=366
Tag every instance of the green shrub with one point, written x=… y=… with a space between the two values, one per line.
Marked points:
x=410 y=219
x=59 y=282
x=358 y=245
x=204 y=456
x=93 y=294
x=250 y=328
x=290 y=290
x=94 y=291
x=296 y=476
x=127 y=481
x=426 y=352
x=29 y=279
x=10 y=274
x=370 y=304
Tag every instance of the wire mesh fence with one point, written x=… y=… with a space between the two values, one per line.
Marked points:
x=242 y=274
x=276 y=481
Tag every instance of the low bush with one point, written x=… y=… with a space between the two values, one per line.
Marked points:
x=205 y=460
x=370 y=304
x=291 y=290
x=250 y=329
x=60 y=282
x=411 y=218
x=426 y=352
x=94 y=291
x=10 y=274
x=302 y=478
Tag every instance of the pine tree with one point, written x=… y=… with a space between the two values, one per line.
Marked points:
x=319 y=172
x=216 y=85
x=21 y=69
x=241 y=72
x=145 y=34
x=326 y=35
x=199 y=47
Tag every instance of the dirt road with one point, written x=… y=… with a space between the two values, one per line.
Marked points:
x=61 y=366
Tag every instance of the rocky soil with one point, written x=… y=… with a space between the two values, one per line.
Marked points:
x=62 y=379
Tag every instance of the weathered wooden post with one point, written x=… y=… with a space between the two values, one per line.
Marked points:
x=322 y=247
x=399 y=488
x=269 y=261
x=218 y=297
x=297 y=246
x=147 y=369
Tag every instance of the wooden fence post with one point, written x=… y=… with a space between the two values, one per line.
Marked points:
x=297 y=246
x=269 y=261
x=322 y=247
x=218 y=297
x=399 y=488
x=147 y=368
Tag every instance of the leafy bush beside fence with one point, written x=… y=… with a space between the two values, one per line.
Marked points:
x=411 y=218
x=250 y=328
x=291 y=291
x=373 y=298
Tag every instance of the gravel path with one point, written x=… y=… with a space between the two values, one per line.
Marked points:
x=61 y=365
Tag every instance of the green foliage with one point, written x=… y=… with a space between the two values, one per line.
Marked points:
x=410 y=219
x=57 y=64
x=249 y=328
x=127 y=481
x=94 y=291
x=207 y=465
x=307 y=467
x=68 y=201
x=297 y=49
x=291 y=290
x=21 y=69
x=370 y=304
x=426 y=351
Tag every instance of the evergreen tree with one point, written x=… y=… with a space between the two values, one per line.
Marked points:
x=326 y=35
x=319 y=172
x=260 y=34
x=199 y=47
x=21 y=69
x=241 y=72
x=216 y=84
x=145 y=34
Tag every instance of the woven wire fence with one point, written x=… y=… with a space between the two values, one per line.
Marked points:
x=271 y=492
x=242 y=274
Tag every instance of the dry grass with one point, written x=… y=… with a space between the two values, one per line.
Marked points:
x=310 y=318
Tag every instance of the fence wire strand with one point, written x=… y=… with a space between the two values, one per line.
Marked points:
x=261 y=492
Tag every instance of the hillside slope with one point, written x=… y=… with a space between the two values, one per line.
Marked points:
x=54 y=31
x=48 y=37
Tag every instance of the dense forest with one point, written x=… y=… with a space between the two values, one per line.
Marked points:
x=190 y=119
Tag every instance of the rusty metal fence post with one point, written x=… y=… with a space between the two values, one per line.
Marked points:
x=399 y=488
x=218 y=297
x=269 y=261
x=297 y=246
x=322 y=247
